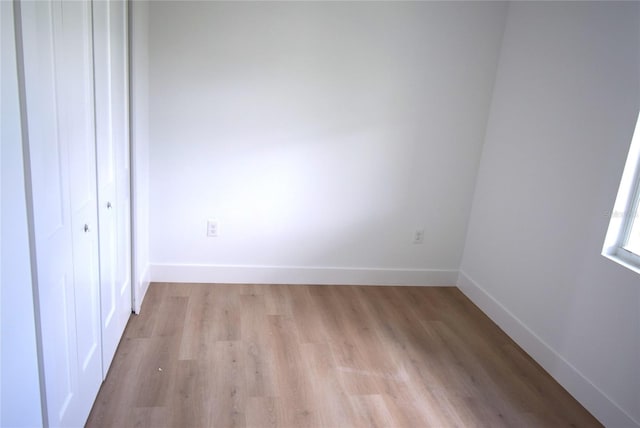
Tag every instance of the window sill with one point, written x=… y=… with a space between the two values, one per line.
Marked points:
x=624 y=258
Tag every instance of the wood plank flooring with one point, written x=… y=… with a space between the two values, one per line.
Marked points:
x=202 y=355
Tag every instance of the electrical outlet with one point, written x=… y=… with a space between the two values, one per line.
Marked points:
x=212 y=228
x=418 y=236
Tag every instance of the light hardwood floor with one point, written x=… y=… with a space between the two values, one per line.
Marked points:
x=332 y=356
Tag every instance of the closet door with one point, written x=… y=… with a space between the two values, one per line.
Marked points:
x=58 y=80
x=111 y=89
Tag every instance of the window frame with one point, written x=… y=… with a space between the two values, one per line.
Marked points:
x=626 y=209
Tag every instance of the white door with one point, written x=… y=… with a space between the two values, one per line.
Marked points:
x=120 y=106
x=110 y=61
x=58 y=81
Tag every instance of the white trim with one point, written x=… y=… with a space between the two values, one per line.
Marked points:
x=579 y=386
x=26 y=160
x=625 y=209
x=141 y=287
x=624 y=258
x=242 y=274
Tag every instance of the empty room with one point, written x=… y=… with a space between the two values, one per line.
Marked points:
x=320 y=213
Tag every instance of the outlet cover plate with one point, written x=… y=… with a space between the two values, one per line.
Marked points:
x=212 y=228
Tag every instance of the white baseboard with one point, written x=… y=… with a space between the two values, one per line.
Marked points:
x=231 y=274
x=581 y=388
x=142 y=285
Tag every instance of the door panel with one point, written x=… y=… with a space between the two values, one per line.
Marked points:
x=110 y=56
x=59 y=100
x=76 y=80
x=50 y=179
x=120 y=91
x=106 y=179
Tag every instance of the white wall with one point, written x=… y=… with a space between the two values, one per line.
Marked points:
x=139 y=81
x=319 y=135
x=19 y=379
x=566 y=97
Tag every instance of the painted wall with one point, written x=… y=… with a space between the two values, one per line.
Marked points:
x=139 y=99
x=319 y=135
x=19 y=378
x=566 y=98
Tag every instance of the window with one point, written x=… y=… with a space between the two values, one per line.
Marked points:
x=622 y=243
